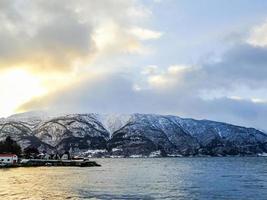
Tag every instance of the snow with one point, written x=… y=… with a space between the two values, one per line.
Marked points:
x=30 y=117
x=160 y=130
x=155 y=154
x=174 y=155
x=262 y=154
x=135 y=156
x=116 y=149
x=90 y=151
x=113 y=122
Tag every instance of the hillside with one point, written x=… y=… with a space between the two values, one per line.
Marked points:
x=132 y=135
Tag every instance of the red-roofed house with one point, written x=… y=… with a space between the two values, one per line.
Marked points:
x=8 y=159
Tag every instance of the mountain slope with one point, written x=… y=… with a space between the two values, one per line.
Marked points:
x=135 y=134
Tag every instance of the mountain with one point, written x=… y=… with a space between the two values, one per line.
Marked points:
x=132 y=135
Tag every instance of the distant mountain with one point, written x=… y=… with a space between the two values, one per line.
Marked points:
x=132 y=135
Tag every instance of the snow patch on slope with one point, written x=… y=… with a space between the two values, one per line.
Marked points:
x=113 y=122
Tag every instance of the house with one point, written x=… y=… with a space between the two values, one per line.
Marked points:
x=10 y=159
x=65 y=156
x=46 y=156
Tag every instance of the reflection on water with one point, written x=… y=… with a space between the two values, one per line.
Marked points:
x=166 y=178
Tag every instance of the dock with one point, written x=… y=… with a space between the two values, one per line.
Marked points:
x=69 y=163
x=48 y=163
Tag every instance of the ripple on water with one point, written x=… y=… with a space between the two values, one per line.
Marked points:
x=171 y=178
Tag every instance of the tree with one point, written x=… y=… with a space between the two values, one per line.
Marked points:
x=10 y=146
x=31 y=152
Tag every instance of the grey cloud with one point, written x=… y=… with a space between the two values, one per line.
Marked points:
x=244 y=64
x=52 y=40
x=52 y=34
x=114 y=94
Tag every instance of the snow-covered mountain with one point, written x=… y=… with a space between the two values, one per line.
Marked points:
x=132 y=135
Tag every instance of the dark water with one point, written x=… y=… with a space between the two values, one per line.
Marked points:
x=168 y=178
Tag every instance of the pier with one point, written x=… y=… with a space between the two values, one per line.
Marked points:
x=54 y=163
x=69 y=163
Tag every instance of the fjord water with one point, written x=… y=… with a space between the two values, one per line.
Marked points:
x=158 y=178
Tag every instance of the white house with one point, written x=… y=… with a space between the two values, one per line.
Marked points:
x=65 y=157
x=8 y=159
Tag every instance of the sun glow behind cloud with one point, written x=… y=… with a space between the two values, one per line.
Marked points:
x=17 y=86
x=49 y=46
x=166 y=57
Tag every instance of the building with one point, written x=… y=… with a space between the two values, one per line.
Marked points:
x=9 y=159
x=47 y=156
x=65 y=156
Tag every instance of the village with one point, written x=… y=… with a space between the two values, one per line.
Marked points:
x=11 y=156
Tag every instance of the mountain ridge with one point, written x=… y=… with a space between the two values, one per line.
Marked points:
x=126 y=135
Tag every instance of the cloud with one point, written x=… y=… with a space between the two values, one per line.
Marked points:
x=57 y=36
x=168 y=79
x=111 y=38
x=231 y=89
x=258 y=35
x=145 y=34
x=114 y=93
x=243 y=64
x=42 y=36
x=57 y=42
x=54 y=36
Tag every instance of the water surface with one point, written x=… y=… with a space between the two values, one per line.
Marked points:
x=158 y=178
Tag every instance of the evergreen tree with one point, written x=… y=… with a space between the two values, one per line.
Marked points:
x=10 y=146
x=31 y=152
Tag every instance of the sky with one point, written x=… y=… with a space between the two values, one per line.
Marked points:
x=204 y=59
